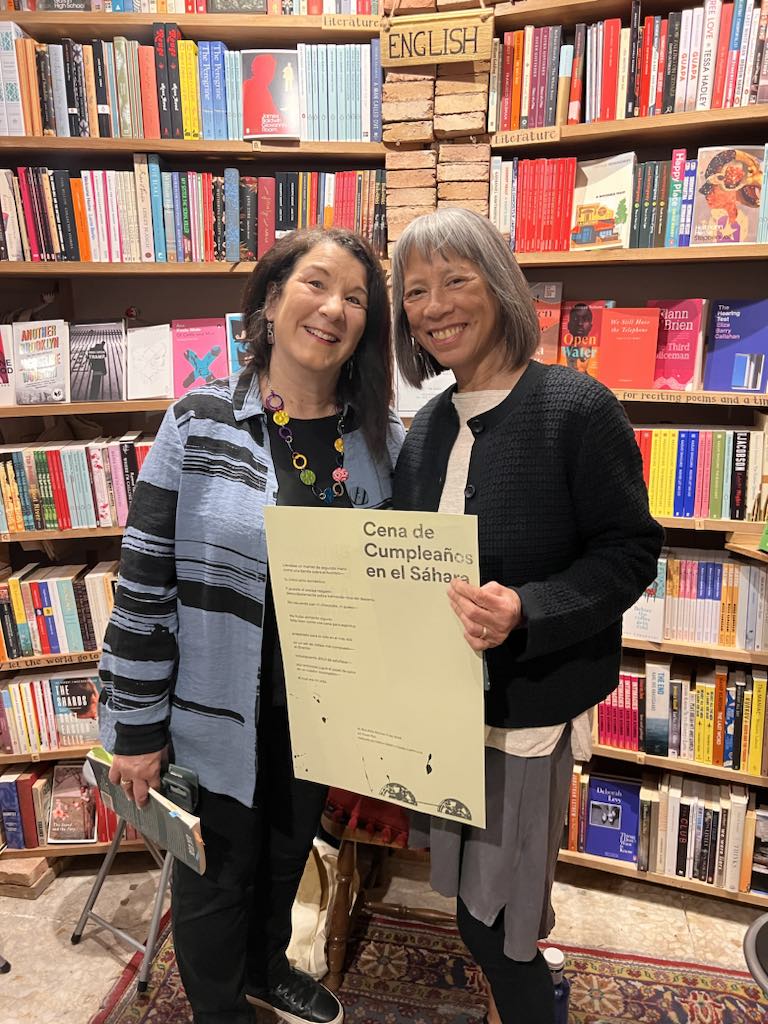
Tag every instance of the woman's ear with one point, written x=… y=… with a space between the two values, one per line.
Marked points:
x=270 y=303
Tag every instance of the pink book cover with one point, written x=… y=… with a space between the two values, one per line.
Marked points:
x=622 y=711
x=199 y=353
x=681 y=344
x=635 y=728
x=698 y=499
x=707 y=475
x=99 y=485
x=118 y=483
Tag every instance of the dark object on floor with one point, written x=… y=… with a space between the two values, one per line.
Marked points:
x=756 y=951
x=300 y=997
x=4 y=966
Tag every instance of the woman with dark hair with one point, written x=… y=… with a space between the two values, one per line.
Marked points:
x=192 y=657
x=545 y=458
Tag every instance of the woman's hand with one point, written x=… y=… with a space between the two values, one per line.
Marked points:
x=137 y=774
x=488 y=613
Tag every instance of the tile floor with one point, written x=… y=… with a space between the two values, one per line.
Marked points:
x=53 y=982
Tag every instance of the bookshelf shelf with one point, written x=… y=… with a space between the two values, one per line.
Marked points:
x=84 y=408
x=99 y=531
x=569 y=12
x=236 y=30
x=206 y=149
x=66 y=269
x=51 y=661
x=677 y=764
x=715 y=525
x=47 y=755
x=663 y=129
x=746 y=551
x=612 y=257
x=74 y=849
x=617 y=867
x=729 y=654
x=687 y=397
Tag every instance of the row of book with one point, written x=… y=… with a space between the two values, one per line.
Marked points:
x=703 y=598
x=671 y=825
x=182 y=89
x=148 y=215
x=707 y=714
x=561 y=204
x=271 y=7
x=55 y=610
x=707 y=57
x=43 y=805
x=49 y=712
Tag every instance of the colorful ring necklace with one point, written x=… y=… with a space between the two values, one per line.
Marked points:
x=274 y=403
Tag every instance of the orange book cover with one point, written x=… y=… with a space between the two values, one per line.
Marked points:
x=81 y=220
x=628 y=339
x=721 y=686
x=26 y=54
x=89 y=76
x=150 y=111
x=580 y=335
x=518 y=45
x=507 y=65
x=26 y=96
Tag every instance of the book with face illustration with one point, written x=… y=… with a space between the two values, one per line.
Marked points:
x=727 y=195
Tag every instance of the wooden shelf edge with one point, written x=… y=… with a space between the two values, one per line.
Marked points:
x=740 y=545
x=73 y=849
x=208 y=148
x=616 y=867
x=53 y=661
x=606 y=257
x=85 y=408
x=689 y=397
x=28 y=535
x=747 y=529
x=61 y=754
x=676 y=764
x=694 y=651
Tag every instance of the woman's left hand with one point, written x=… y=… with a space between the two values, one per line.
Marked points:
x=488 y=613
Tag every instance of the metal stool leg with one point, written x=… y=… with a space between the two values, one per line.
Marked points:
x=103 y=872
x=154 y=925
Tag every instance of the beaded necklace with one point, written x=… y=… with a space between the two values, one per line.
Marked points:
x=274 y=403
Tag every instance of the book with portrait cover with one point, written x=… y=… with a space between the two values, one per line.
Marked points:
x=613 y=815
x=73 y=808
x=41 y=362
x=737 y=347
x=727 y=193
x=199 y=353
x=602 y=200
x=547 y=298
x=75 y=697
x=271 y=106
x=580 y=334
x=680 y=348
x=97 y=362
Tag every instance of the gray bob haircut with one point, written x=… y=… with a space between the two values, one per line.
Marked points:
x=463 y=233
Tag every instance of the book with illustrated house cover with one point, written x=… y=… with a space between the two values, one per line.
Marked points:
x=602 y=201
x=199 y=353
x=271 y=108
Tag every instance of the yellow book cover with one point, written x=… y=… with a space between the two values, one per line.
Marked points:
x=709 y=721
x=757 y=722
x=186 y=81
x=16 y=499
x=734 y=606
x=654 y=475
x=670 y=469
x=194 y=90
x=746 y=724
x=672 y=595
x=725 y=596
x=699 y=728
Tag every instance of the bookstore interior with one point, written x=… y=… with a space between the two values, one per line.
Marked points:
x=155 y=151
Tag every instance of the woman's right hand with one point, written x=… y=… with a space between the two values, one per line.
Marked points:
x=138 y=773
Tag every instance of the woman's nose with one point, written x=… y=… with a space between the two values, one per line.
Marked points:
x=436 y=303
x=333 y=306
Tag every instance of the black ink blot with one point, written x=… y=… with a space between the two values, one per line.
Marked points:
x=428 y=765
x=325 y=719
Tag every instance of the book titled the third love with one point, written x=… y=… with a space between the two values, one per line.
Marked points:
x=737 y=347
x=199 y=353
x=271 y=107
x=628 y=347
x=680 y=349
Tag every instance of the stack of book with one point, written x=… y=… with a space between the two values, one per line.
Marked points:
x=46 y=712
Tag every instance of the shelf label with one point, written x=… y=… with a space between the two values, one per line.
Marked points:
x=437 y=38
x=690 y=397
x=527 y=136
x=54 y=659
x=361 y=21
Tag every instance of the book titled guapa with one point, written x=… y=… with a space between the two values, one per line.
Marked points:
x=161 y=820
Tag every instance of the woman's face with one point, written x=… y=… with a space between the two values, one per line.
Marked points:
x=451 y=311
x=320 y=314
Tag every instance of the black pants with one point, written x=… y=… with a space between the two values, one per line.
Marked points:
x=523 y=991
x=233 y=924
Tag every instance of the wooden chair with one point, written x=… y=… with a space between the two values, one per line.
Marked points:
x=382 y=827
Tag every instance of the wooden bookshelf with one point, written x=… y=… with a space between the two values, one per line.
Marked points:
x=714 y=653
x=61 y=754
x=199 y=149
x=739 y=547
x=74 y=849
x=84 y=408
x=677 y=764
x=51 y=661
x=725 y=398
x=714 y=525
x=238 y=31
x=568 y=13
x=620 y=867
x=80 y=532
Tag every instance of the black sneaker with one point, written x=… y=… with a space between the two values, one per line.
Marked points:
x=299 y=999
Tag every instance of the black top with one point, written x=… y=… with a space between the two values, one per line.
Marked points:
x=313 y=438
x=556 y=481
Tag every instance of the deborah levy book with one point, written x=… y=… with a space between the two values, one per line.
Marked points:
x=602 y=200
x=97 y=362
x=547 y=298
x=726 y=205
x=199 y=353
x=271 y=106
x=737 y=347
x=680 y=348
x=613 y=813
x=41 y=362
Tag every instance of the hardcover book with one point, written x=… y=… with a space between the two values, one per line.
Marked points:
x=726 y=206
x=737 y=347
x=97 y=362
x=613 y=815
x=271 y=107
x=41 y=362
x=628 y=339
x=547 y=298
x=149 y=364
x=73 y=808
x=680 y=348
x=602 y=199
x=236 y=342
x=199 y=353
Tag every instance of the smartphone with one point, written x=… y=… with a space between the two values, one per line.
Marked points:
x=180 y=785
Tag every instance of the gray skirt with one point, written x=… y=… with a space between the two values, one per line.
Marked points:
x=509 y=865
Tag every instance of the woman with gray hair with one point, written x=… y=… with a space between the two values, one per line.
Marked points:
x=546 y=459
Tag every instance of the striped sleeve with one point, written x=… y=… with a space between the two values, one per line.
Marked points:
x=139 y=657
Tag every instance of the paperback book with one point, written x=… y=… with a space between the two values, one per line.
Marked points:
x=199 y=353
x=580 y=334
x=41 y=362
x=271 y=106
x=73 y=808
x=726 y=206
x=236 y=342
x=547 y=298
x=149 y=363
x=7 y=389
x=613 y=813
x=737 y=347
x=628 y=339
x=97 y=362
x=680 y=347
x=602 y=200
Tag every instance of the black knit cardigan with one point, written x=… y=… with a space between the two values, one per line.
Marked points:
x=555 y=478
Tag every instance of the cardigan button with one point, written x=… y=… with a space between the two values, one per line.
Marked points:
x=476 y=426
x=469 y=491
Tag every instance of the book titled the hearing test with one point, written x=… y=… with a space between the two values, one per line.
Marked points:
x=613 y=814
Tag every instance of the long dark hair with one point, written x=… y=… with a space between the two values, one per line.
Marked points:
x=368 y=386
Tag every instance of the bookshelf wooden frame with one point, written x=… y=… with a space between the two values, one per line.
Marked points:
x=49 y=661
x=677 y=764
x=77 y=534
x=198 y=149
x=711 y=653
x=36 y=756
x=73 y=849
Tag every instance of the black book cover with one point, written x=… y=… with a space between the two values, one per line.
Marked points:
x=665 y=170
x=739 y=464
x=738 y=726
x=45 y=89
x=84 y=614
x=172 y=36
x=281 y=202
x=63 y=191
x=219 y=235
x=83 y=130
x=161 y=71
x=682 y=839
x=102 y=93
x=68 y=50
x=292 y=199
x=670 y=64
x=130 y=467
x=713 y=847
x=57 y=215
x=633 y=79
x=248 y=218
x=553 y=71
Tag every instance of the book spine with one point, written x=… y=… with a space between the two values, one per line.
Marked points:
x=156 y=204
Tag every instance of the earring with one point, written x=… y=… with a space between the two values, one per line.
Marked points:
x=270 y=333
x=350 y=368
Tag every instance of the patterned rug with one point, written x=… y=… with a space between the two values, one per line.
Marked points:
x=409 y=973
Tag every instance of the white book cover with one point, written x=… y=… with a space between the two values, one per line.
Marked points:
x=655 y=57
x=9 y=73
x=645 y=619
x=683 y=61
x=149 y=362
x=495 y=192
x=113 y=216
x=7 y=389
x=602 y=199
x=134 y=243
x=709 y=41
x=506 y=198
x=736 y=821
x=754 y=31
x=9 y=212
x=41 y=362
x=144 y=207
x=495 y=86
x=751 y=14
x=673 y=822
x=694 y=63
x=301 y=50
x=365 y=91
x=621 y=91
x=409 y=399
x=525 y=89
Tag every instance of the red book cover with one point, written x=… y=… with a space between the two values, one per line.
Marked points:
x=271 y=94
x=24 y=785
x=679 y=353
x=200 y=7
x=611 y=43
x=150 y=110
x=644 y=441
x=266 y=216
x=577 y=76
x=549 y=206
x=538 y=203
x=658 y=99
x=172 y=37
x=580 y=335
x=58 y=487
x=524 y=191
x=189 y=6
x=29 y=215
x=45 y=644
x=340 y=200
x=507 y=66
x=313 y=187
x=721 y=59
x=645 y=66
x=628 y=347
x=207 y=187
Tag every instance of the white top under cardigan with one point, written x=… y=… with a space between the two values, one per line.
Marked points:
x=537 y=741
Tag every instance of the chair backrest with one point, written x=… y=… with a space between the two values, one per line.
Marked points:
x=756 y=951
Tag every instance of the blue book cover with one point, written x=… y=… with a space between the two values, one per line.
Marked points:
x=176 y=187
x=333 y=93
x=690 y=473
x=156 y=199
x=613 y=814
x=232 y=214
x=356 y=126
x=322 y=92
x=169 y=221
x=50 y=624
x=23 y=485
x=206 y=88
x=232 y=96
x=375 y=89
x=686 y=208
x=236 y=350
x=730 y=715
x=219 y=89
x=737 y=347
x=680 y=468
x=11 y=810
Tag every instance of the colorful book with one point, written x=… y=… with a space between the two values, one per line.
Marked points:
x=547 y=298
x=236 y=342
x=613 y=817
x=271 y=107
x=580 y=334
x=680 y=348
x=199 y=353
x=737 y=347
x=41 y=356
x=602 y=200
x=729 y=183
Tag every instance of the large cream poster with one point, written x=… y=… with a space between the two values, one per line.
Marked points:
x=385 y=696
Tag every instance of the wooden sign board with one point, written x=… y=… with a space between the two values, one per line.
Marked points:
x=437 y=38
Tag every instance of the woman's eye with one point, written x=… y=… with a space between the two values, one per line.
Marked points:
x=354 y=300
x=416 y=293
x=457 y=280
x=316 y=284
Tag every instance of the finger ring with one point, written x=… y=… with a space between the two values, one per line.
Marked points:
x=126 y=783
x=485 y=633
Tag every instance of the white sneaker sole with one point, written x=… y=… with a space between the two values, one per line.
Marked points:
x=289 y=1018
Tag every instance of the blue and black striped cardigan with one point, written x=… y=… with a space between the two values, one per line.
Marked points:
x=182 y=652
